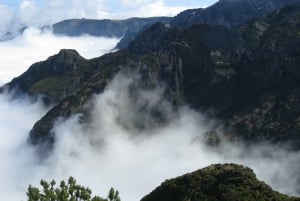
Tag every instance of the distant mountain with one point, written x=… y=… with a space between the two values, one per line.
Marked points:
x=227 y=182
x=106 y=28
x=229 y=13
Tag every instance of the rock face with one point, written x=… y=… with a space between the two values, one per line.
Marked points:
x=248 y=76
x=229 y=13
x=228 y=182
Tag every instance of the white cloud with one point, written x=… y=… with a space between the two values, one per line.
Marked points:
x=136 y=3
x=34 y=45
x=16 y=158
x=116 y=153
x=42 y=12
x=5 y=20
x=107 y=152
x=158 y=8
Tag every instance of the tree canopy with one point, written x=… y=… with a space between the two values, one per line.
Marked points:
x=66 y=191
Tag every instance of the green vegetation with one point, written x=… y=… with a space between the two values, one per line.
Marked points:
x=228 y=182
x=52 y=86
x=69 y=191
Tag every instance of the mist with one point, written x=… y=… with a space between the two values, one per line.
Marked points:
x=123 y=145
x=35 y=45
x=17 y=159
x=38 y=13
x=112 y=151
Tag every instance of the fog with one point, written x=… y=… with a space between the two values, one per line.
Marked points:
x=123 y=145
x=17 y=14
x=35 y=45
x=17 y=160
x=111 y=151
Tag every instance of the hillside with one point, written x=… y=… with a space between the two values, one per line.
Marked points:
x=228 y=182
x=229 y=13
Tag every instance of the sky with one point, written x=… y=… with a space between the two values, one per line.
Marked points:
x=18 y=13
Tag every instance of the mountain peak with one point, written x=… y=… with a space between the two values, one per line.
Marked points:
x=224 y=182
x=67 y=53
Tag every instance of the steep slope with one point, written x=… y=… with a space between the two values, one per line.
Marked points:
x=57 y=77
x=248 y=77
x=229 y=13
x=228 y=182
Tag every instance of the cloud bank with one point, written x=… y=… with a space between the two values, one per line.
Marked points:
x=35 y=45
x=113 y=150
x=39 y=13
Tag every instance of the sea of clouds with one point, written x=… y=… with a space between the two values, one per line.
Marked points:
x=18 y=14
x=111 y=150
x=36 y=45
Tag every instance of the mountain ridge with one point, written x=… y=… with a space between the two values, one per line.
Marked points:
x=247 y=77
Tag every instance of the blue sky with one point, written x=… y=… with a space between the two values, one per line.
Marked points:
x=115 y=5
x=15 y=3
x=18 y=13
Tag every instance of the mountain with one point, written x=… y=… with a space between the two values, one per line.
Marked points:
x=56 y=77
x=229 y=13
x=227 y=182
x=107 y=28
x=246 y=76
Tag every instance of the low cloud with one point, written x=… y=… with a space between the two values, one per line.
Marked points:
x=113 y=150
x=17 y=159
x=38 y=13
x=35 y=45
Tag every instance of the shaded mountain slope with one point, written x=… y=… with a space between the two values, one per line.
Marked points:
x=248 y=77
x=228 y=182
x=56 y=78
x=226 y=13
x=229 y=13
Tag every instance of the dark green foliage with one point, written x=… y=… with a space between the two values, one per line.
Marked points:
x=70 y=191
x=113 y=195
x=228 y=182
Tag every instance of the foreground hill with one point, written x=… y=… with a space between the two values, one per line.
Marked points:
x=228 y=182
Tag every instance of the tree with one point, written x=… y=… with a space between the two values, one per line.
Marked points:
x=113 y=195
x=69 y=191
